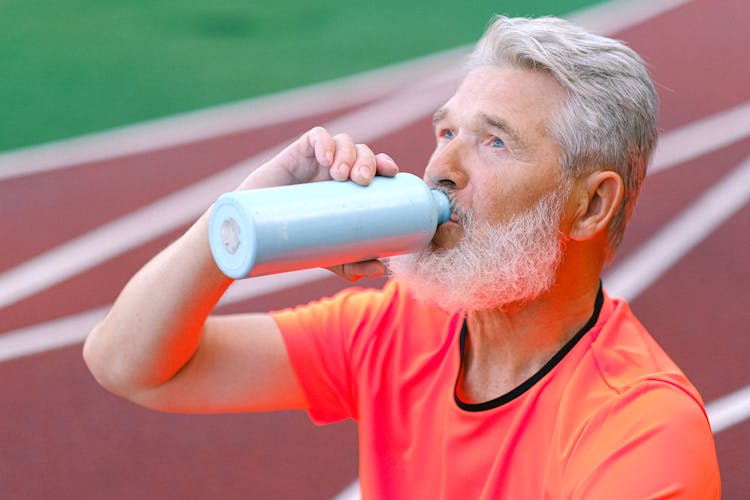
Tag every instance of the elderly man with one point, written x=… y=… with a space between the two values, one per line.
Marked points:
x=493 y=365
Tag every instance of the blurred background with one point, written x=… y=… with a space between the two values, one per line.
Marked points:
x=123 y=120
x=77 y=66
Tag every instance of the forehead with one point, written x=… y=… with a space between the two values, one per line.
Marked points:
x=524 y=98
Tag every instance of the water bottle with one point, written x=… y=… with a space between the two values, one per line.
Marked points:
x=320 y=224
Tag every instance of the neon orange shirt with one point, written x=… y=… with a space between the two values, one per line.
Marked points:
x=614 y=418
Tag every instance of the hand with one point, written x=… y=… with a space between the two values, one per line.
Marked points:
x=354 y=271
x=318 y=156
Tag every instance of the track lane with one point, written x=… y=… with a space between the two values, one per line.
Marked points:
x=90 y=195
x=695 y=54
x=709 y=343
x=64 y=438
x=366 y=124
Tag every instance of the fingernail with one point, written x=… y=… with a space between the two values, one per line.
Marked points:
x=363 y=172
x=342 y=170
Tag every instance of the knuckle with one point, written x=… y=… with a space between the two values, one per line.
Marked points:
x=365 y=150
x=343 y=138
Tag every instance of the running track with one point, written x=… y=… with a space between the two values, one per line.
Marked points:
x=88 y=216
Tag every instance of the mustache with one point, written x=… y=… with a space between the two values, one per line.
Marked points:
x=549 y=206
x=458 y=209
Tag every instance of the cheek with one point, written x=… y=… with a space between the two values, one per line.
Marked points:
x=501 y=206
x=491 y=201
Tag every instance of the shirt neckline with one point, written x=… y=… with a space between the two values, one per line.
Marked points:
x=531 y=381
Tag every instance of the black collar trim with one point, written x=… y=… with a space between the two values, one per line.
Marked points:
x=529 y=383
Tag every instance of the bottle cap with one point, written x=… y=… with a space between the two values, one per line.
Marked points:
x=443 y=205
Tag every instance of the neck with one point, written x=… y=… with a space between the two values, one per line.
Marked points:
x=505 y=347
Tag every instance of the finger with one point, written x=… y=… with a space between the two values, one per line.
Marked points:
x=363 y=169
x=357 y=270
x=306 y=159
x=384 y=165
x=344 y=157
x=322 y=144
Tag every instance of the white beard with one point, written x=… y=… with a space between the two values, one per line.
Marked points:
x=493 y=265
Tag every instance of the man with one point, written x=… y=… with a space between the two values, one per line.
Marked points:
x=494 y=365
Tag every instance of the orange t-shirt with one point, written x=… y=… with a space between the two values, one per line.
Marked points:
x=610 y=416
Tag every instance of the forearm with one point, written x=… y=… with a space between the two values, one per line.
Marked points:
x=155 y=346
x=156 y=323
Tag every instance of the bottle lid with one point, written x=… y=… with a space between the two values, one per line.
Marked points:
x=443 y=205
x=232 y=237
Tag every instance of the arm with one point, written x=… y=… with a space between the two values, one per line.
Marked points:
x=159 y=347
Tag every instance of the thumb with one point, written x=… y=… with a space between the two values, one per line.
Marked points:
x=355 y=271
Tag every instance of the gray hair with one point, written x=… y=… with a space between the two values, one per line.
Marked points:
x=609 y=118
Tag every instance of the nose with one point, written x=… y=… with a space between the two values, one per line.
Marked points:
x=446 y=167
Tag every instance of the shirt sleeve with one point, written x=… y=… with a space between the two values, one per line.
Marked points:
x=653 y=442
x=321 y=339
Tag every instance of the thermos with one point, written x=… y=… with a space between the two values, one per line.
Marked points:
x=320 y=224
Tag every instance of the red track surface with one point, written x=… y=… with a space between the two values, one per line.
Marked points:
x=64 y=437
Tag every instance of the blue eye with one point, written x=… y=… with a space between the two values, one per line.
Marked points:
x=497 y=143
x=447 y=134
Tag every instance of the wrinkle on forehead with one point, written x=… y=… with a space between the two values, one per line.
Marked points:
x=483 y=121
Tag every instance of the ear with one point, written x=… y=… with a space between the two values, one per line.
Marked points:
x=599 y=196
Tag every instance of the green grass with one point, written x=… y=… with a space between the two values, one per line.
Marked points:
x=75 y=66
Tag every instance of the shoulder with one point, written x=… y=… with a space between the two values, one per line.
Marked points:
x=627 y=356
x=361 y=317
x=638 y=379
x=651 y=438
x=354 y=305
x=647 y=408
x=639 y=417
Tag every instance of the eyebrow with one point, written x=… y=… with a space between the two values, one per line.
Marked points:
x=487 y=119
x=492 y=121
x=439 y=115
x=502 y=125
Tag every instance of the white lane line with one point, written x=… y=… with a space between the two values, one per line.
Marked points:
x=73 y=329
x=654 y=258
x=226 y=119
x=183 y=206
x=701 y=137
x=351 y=492
x=617 y=15
x=366 y=124
x=53 y=334
x=245 y=289
x=729 y=410
x=109 y=240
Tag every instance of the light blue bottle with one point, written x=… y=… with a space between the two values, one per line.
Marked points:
x=320 y=224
